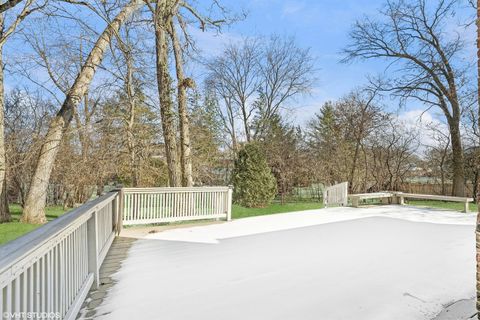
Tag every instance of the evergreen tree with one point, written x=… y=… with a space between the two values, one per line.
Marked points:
x=207 y=141
x=280 y=144
x=254 y=183
x=326 y=144
x=323 y=128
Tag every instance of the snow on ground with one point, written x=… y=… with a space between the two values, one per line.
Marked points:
x=385 y=263
x=278 y=222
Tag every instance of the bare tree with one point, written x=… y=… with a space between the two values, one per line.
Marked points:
x=477 y=22
x=26 y=117
x=360 y=114
x=392 y=148
x=126 y=73
x=285 y=71
x=61 y=58
x=7 y=28
x=411 y=35
x=182 y=84
x=236 y=78
x=439 y=153
x=35 y=203
x=226 y=111
x=9 y=4
x=165 y=13
x=257 y=78
x=162 y=16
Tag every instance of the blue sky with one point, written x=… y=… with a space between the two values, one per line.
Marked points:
x=322 y=26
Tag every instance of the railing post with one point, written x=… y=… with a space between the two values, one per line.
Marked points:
x=229 y=203
x=345 y=195
x=115 y=212
x=121 y=208
x=92 y=238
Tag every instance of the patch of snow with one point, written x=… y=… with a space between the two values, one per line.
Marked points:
x=380 y=263
x=291 y=220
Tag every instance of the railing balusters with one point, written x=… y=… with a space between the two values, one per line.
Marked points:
x=48 y=269
x=336 y=194
x=8 y=298
x=158 y=205
x=177 y=213
x=24 y=290
x=150 y=205
x=46 y=282
x=16 y=289
x=2 y=310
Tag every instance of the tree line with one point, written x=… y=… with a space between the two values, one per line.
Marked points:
x=108 y=97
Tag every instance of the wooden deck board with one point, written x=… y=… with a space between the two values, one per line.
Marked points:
x=116 y=255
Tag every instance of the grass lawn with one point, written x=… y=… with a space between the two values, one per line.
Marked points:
x=456 y=206
x=14 y=229
x=434 y=204
x=275 y=207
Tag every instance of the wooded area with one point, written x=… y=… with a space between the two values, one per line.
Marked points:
x=107 y=94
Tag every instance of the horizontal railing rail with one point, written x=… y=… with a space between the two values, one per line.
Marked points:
x=48 y=272
x=158 y=205
x=175 y=189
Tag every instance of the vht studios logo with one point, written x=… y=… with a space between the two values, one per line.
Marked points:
x=31 y=315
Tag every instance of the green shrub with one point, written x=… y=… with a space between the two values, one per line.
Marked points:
x=254 y=183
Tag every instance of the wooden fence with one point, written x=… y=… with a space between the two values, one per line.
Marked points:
x=48 y=272
x=336 y=195
x=314 y=191
x=434 y=188
x=157 y=205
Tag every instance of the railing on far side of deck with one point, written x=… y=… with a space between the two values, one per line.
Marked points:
x=158 y=205
x=336 y=195
x=48 y=272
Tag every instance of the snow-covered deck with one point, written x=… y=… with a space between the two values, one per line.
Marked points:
x=384 y=262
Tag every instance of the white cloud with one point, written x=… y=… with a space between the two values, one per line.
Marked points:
x=211 y=42
x=291 y=8
x=422 y=121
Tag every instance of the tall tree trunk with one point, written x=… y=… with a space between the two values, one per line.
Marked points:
x=35 y=203
x=131 y=146
x=457 y=159
x=131 y=143
x=164 y=86
x=185 y=151
x=354 y=168
x=231 y=126
x=245 y=121
x=4 y=211
x=477 y=233
x=234 y=144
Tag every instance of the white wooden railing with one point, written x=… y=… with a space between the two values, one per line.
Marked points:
x=157 y=205
x=336 y=195
x=47 y=273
